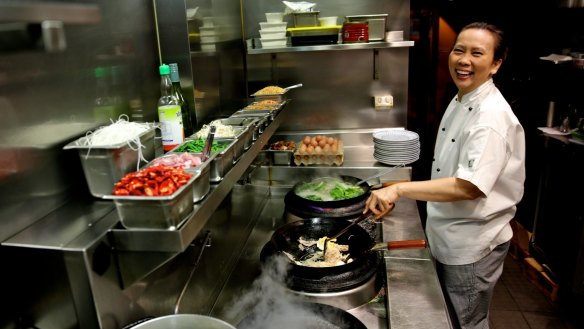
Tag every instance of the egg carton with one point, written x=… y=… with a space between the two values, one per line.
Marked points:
x=327 y=159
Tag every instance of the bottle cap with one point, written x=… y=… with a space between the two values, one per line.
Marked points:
x=164 y=69
x=174 y=77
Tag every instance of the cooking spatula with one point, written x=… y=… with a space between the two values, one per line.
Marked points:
x=341 y=232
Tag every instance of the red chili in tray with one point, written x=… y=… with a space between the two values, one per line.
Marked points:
x=152 y=181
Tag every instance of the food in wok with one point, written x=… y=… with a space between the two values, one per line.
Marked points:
x=328 y=189
x=336 y=254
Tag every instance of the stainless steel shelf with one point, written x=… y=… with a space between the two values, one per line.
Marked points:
x=178 y=240
x=341 y=46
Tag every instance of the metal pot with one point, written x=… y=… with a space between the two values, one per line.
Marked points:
x=312 y=315
x=182 y=321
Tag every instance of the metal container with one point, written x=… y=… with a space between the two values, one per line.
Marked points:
x=280 y=157
x=201 y=174
x=183 y=321
x=307 y=18
x=355 y=32
x=222 y=161
x=155 y=212
x=376 y=24
x=252 y=123
x=242 y=136
x=106 y=165
x=266 y=115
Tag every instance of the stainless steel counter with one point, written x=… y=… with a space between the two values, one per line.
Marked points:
x=413 y=298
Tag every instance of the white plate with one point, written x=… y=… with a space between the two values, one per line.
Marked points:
x=395 y=135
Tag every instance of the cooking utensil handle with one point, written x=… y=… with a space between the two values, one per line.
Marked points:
x=353 y=223
x=380 y=174
x=406 y=244
x=293 y=86
x=209 y=143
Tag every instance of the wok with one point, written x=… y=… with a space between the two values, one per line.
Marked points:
x=294 y=198
x=361 y=245
x=302 y=315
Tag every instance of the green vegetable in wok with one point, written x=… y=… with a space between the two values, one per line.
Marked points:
x=329 y=189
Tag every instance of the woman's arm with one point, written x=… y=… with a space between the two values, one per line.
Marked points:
x=381 y=201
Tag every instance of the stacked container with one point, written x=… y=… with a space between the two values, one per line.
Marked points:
x=273 y=31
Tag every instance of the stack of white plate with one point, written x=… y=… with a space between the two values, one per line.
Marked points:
x=396 y=146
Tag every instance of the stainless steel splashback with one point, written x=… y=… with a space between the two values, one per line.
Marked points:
x=47 y=94
x=339 y=85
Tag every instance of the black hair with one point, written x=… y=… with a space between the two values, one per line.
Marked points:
x=500 y=43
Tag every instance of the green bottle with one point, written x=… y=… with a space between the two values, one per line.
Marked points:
x=184 y=104
x=103 y=107
x=169 y=112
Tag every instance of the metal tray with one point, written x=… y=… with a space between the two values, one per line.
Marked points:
x=222 y=161
x=201 y=174
x=251 y=122
x=155 y=212
x=242 y=139
x=106 y=165
x=280 y=157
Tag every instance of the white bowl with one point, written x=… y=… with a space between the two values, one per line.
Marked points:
x=269 y=35
x=272 y=27
x=274 y=17
x=328 y=21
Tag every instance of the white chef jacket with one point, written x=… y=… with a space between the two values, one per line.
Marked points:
x=481 y=141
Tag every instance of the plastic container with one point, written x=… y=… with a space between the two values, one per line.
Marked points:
x=273 y=27
x=270 y=35
x=328 y=21
x=274 y=17
x=273 y=43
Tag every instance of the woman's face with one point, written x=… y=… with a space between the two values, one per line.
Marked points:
x=471 y=60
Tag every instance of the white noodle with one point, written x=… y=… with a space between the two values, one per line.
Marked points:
x=118 y=132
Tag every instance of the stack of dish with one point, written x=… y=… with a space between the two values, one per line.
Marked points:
x=396 y=146
x=273 y=31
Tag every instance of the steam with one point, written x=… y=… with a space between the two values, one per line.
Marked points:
x=268 y=303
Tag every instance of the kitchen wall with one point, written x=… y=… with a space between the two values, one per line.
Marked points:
x=47 y=96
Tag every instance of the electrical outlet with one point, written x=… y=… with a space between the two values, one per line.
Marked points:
x=383 y=102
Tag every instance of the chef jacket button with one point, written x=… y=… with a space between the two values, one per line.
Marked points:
x=437 y=169
x=443 y=129
x=470 y=108
x=453 y=140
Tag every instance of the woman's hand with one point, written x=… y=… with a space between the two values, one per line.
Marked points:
x=382 y=201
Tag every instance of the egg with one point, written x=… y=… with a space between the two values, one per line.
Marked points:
x=306 y=140
x=318 y=150
x=322 y=142
x=335 y=148
x=330 y=140
x=310 y=149
x=326 y=149
x=314 y=142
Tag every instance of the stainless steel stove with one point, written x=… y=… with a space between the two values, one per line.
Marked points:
x=404 y=294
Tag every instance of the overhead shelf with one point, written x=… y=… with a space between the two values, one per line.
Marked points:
x=253 y=46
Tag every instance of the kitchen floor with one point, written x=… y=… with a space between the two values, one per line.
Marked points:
x=518 y=304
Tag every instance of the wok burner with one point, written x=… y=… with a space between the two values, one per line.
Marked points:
x=346 y=299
